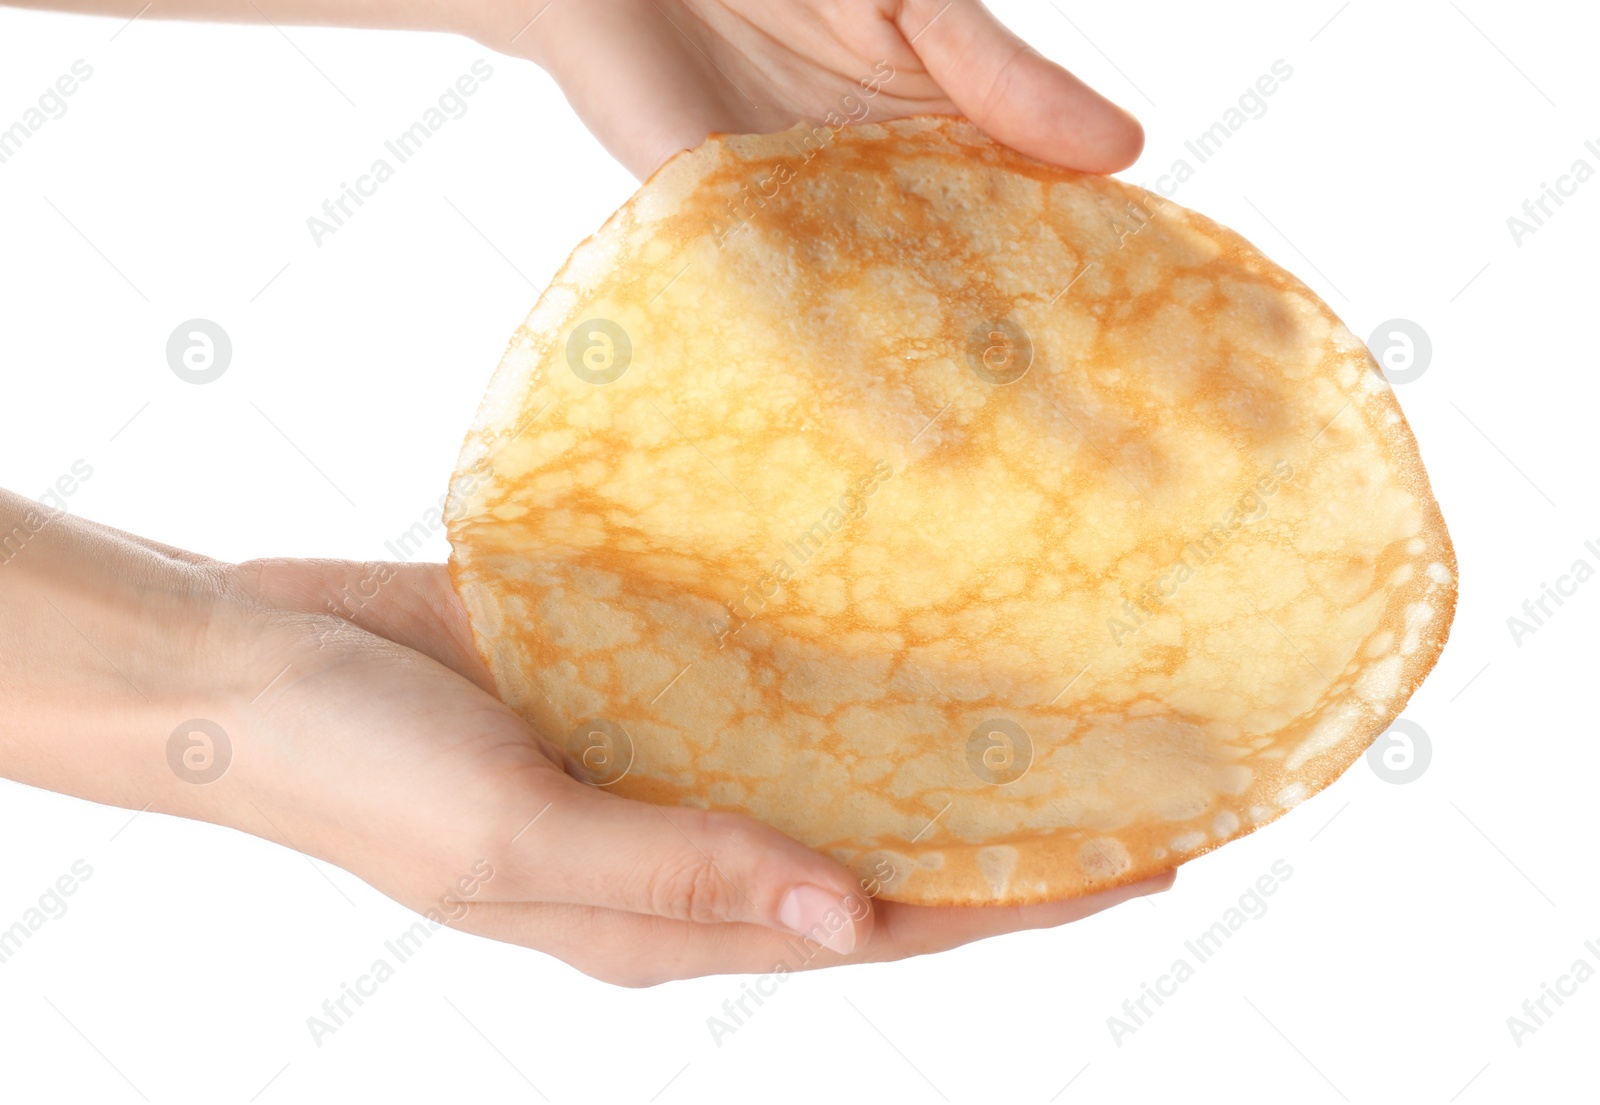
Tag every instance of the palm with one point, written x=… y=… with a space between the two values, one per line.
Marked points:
x=651 y=77
x=423 y=754
x=382 y=748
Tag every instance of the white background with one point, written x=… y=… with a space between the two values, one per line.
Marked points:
x=1419 y=917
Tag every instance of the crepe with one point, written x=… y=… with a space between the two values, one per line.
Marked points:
x=1003 y=532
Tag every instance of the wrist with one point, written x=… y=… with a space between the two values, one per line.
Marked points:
x=105 y=642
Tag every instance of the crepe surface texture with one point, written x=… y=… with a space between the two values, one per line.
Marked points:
x=1004 y=532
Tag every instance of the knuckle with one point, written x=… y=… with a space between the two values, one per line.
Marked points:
x=693 y=889
x=1002 y=84
x=697 y=882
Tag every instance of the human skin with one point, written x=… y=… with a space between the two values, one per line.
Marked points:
x=366 y=732
x=371 y=738
x=652 y=77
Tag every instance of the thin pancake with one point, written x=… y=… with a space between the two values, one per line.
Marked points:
x=1004 y=532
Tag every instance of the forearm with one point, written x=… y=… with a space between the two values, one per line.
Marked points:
x=429 y=15
x=493 y=22
x=102 y=644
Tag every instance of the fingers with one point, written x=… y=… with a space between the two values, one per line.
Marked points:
x=916 y=930
x=589 y=847
x=633 y=949
x=1014 y=94
x=630 y=949
x=411 y=604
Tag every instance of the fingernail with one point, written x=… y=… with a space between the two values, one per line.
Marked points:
x=819 y=915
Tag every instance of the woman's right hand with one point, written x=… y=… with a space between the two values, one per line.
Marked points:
x=340 y=709
x=382 y=748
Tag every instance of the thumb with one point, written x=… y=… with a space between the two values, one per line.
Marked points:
x=1018 y=97
x=593 y=848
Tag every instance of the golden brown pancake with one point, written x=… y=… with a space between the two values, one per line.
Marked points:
x=1004 y=532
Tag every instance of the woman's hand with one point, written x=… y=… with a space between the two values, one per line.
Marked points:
x=652 y=77
x=380 y=747
x=340 y=709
